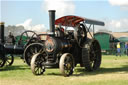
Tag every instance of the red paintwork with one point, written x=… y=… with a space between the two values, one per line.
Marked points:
x=70 y=21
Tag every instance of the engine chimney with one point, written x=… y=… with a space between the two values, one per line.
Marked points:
x=1 y=32
x=52 y=21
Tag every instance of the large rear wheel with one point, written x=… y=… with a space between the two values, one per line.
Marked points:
x=30 y=50
x=91 y=55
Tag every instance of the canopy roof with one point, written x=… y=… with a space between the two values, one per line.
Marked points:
x=123 y=39
x=72 y=21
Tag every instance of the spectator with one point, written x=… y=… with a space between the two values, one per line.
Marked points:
x=126 y=48
x=118 y=49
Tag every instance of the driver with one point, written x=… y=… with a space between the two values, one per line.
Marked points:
x=10 y=38
x=59 y=31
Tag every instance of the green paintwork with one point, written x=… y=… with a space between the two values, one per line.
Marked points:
x=24 y=39
x=104 y=40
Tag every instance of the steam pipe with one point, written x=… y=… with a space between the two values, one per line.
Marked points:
x=1 y=32
x=52 y=21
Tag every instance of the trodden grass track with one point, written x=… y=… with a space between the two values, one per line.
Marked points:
x=113 y=71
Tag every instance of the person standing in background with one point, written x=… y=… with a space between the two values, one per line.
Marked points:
x=126 y=48
x=118 y=49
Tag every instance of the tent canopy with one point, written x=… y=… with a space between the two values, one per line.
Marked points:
x=123 y=39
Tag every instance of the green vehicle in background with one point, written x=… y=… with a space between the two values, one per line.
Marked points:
x=107 y=42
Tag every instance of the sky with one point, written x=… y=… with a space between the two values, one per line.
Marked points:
x=33 y=14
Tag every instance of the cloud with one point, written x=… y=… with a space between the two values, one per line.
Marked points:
x=120 y=25
x=122 y=3
x=39 y=28
x=119 y=2
x=62 y=7
x=27 y=24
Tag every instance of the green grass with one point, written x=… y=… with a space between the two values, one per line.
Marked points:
x=113 y=71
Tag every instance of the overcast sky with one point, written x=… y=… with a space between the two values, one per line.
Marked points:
x=33 y=14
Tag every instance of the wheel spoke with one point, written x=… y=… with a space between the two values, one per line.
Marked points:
x=33 y=35
x=35 y=50
x=36 y=69
x=9 y=60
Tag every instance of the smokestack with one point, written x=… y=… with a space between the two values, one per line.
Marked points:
x=52 y=21
x=1 y=32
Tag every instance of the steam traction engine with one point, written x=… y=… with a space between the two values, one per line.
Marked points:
x=65 y=48
x=9 y=47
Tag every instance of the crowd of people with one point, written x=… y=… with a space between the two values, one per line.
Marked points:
x=126 y=48
x=119 y=49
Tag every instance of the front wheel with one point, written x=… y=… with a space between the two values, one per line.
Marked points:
x=66 y=64
x=9 y=60
x=37 y=64
x=2 y=60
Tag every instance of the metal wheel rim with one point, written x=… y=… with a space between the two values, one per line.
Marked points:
x=9 y=60
x=68 y=65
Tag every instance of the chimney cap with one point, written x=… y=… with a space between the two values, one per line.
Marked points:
x=1 y=23
x=52 y=10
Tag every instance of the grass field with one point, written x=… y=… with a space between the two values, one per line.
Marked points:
x=113 y=71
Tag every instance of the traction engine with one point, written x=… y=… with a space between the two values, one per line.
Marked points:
x=65 y=48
